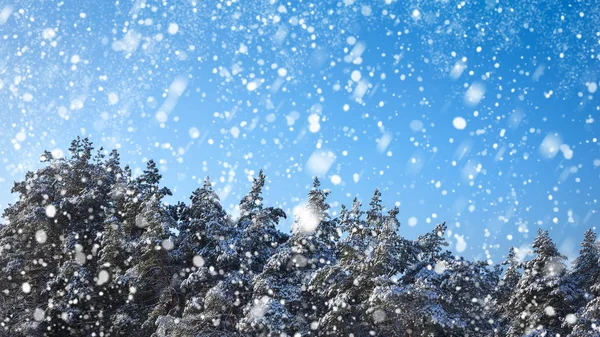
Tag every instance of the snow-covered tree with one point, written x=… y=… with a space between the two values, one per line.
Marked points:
x=90 y=250
x=542 y=298
x=506 y=286
x=30 y=248
x=243 y=252
x=152 y=275
x=204 y=224
x=586 y=323
x=371 y=253
x=205 y=245
x=586 y=268
x=585 y=278
x=280 y=301
x=65 y=206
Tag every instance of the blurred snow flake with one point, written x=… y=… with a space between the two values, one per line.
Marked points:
x=129 y=43
x=550 y=145
x=57 y=153
x=457 y=70
x=167 y=244
x=41 y=236
x=306 y=219
x=50 y=211
x=319 y=162
x=253 y=85
x=5 y=14
x=103 y=277
x=384 y=141
x=461 y=244
x=313 y=121
x=440 y=267
x=259 y=308
x=176 y=89
x=235 y=132
x=416 y=125
x=459 y=123
x=173 y=28
x=26 y=287
x=48 y=33
x=379 y=316
x=566 y=150
x=38 y=314
x=113 y=98
x=194 y=132
x=198 y=261
x=474 y=94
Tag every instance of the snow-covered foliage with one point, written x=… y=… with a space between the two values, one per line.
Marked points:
x=89 y=250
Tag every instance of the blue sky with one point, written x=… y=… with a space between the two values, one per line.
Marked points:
x=482 y=115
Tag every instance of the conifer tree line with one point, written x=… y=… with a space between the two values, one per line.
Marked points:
x=90 y=250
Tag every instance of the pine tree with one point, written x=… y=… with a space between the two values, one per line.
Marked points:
x=432 y=244
x=205 y=243
x=505 y=288
x=204 y=217
x=586 y=323
x=112 y=264
x=374 y=214
x=334 y=283
x=153 y=273
x=370 y=255
x=280 y=303
x=541 y=300
x=356 y=240
x=391 y=258
x=586 y=269
x=81 y=151
x=585 y=278
x=30 y=248
x=113 y=163
x=436 y=295
x=242 y=254
x=58 y=225
x=149 y=180
x=72 y=290
x=393 y=254
x=253 y=200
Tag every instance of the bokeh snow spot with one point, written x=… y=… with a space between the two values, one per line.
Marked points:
x=306 y=220
x=103 y=277
x=319 y=162
x=459 y=123
x=474 y=94
x=50 y=211
x=550 y=145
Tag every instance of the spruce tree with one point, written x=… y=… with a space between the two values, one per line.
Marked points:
x=503 y=293
x=542 y=299
x=206 y=246
x=55 y=232
x=586 y=323
x=363 y=263
x=244 y=253
x=281 y=303
x=586 y=269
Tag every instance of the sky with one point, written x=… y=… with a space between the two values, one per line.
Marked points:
x=481 y=114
